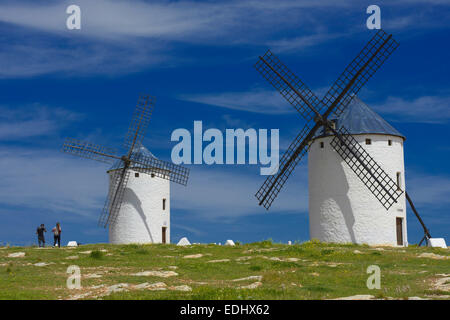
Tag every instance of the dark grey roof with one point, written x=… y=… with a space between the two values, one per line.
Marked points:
x=358 y=118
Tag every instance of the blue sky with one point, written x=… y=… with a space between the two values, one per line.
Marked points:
x=197 y=59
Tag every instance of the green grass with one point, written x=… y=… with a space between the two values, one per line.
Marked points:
x=310 y=270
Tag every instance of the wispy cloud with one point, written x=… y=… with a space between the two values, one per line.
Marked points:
x=257 y=101
x=228 y=193
x=170 y=20
x=31 y=57
x=46 y=180
x=429 y=190
x=425 y=109
x=302 y=42
x=127 y=36
x=31 y=121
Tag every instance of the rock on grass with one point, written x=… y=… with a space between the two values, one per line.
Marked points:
x=254 y=285
x=193 y=256
x=432 y=256
x=181 y=288
x=16 y=255
x=162 y=274
x=357 y=297
x=259 y=278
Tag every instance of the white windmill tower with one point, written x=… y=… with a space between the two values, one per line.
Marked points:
x=340 y=208
x=137 y=209
x=356 y=185
x=144 y=216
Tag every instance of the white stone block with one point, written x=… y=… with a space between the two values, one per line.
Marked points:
x=72 y=244
x=437 y=243
x=229 y=243
x=183 y=242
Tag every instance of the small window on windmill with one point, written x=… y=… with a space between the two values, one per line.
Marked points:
x=164 y=204
x=136 y=174
x=321 y=145
x=368 y=141
x=332 y=125
x=390 y=142
x=399 y=181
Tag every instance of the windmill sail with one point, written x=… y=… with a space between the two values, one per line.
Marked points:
x=366 y=63
x=274 y=183
x=138 y=158
x=359 y=71
x=288 y=84
x=140 y=121
x=113 y=203
x=160 y=168
x=89 y=150
x=366 y=168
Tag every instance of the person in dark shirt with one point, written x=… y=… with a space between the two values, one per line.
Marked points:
x=40 y=232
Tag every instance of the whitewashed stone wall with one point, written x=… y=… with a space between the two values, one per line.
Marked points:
x=141 y=216
x=341 y=208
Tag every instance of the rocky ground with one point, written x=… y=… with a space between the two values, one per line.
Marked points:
x=262 y=270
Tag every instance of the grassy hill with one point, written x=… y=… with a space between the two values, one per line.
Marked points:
x=262 y=270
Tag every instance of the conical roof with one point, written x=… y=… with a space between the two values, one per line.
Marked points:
x=359 y=118
x=139 y=151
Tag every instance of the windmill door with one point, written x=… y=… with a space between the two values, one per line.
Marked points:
x=164 y=234
x=399 y=222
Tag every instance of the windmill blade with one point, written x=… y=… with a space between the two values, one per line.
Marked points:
x=297 y=149
x=114 y=200
x=89 y=150
x=159 y=168
x=140 y=121
x=288 y=84
x=364 y=166
x=358 y=72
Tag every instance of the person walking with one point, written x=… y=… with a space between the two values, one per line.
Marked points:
x=40 y=232
x=57 y=235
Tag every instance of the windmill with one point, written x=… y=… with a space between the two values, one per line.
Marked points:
x=318 y=114
x=132 y=224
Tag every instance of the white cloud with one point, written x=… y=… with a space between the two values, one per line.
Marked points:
x=77 y=58
x=297 y=44
x=31 y=121
x=228 y=193
x=426 y=109
x=127 y=36
x=428 y=190
x=76 y=188
x=257 y=101
x=47 y=180
x=170 y=20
